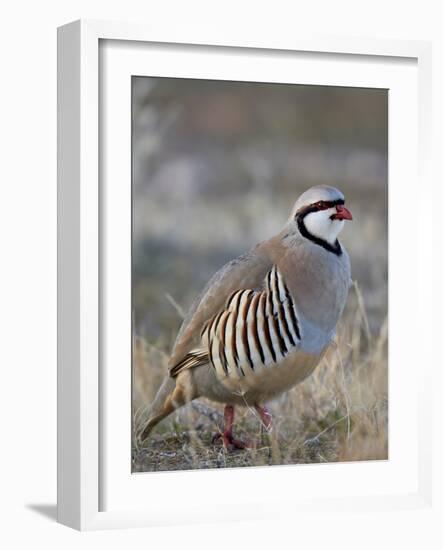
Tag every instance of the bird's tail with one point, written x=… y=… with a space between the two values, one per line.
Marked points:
x=161 y=406
x=172 y=394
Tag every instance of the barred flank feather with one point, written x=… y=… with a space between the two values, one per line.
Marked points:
x=195 y=358
x=255 y=329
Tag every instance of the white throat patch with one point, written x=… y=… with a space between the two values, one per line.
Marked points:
x=320 y=225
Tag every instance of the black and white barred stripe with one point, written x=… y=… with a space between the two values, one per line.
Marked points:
x=256 y=329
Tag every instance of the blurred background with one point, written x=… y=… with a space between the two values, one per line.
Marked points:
x=217 y=166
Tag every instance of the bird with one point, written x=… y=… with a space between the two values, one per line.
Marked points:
x=264 y=321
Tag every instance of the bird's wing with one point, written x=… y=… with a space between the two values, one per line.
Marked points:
x=246 y=272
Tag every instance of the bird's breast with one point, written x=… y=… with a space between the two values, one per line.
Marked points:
x=319 y=282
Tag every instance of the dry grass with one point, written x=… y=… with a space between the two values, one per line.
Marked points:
x=340 y=413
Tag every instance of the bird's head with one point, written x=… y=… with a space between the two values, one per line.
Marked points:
x=319 y=215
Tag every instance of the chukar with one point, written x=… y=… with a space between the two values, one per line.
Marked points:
x=264 y=321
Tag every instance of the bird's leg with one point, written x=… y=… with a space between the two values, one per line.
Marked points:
x=229 y=424
x=228 y=439
x=265 y=417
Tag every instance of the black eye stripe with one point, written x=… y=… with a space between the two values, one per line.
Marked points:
x=317 y=206
x=324 y=205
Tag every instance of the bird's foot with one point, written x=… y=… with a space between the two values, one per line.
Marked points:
x=230 y=442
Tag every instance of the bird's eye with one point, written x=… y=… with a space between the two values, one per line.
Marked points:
x=321 y=204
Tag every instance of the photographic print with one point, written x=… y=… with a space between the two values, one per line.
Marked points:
x=259 y=274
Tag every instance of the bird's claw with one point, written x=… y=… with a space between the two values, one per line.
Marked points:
x=231 y=443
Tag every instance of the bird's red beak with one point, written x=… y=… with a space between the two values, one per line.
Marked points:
x=342 y=213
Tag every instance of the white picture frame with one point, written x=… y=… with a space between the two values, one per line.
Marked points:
x=85 y=440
